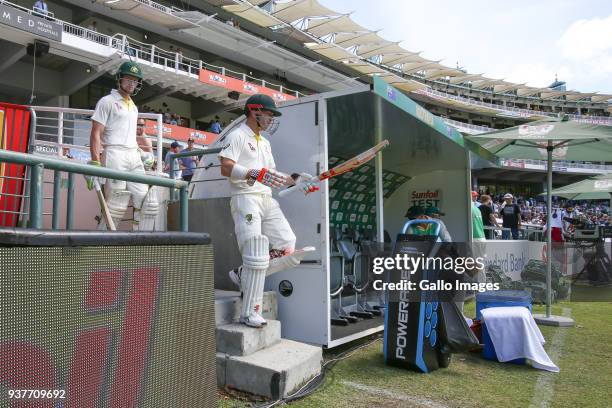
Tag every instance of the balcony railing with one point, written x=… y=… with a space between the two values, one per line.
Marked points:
x=474 y=129
x=560 y=164
x=175 y=61
x=512 y=111
x=170 y=59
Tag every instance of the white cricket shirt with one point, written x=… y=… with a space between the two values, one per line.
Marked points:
x=251 y=152
x=119 y=117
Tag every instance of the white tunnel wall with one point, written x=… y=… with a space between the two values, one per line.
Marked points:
x=451 y=186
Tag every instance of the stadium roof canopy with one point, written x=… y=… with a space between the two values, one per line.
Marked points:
x=439 y=73
x=332 y=51
x=352 y=42
x=486 y=83
x=529 y=90
x=506 y=87
x=401 y=58
x=300 y=9
x=348 y=40
x=328 y=25
x=601 y=98
x=385 y=47
x=414 y=67
x=254 y=14
x=465 y=78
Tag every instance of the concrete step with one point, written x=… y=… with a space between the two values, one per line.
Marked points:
x=239 y=340
x=228 y=303
x=273 y=372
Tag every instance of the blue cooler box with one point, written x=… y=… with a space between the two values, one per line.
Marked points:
x=499 y=298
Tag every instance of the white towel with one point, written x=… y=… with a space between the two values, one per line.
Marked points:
x=515 y=334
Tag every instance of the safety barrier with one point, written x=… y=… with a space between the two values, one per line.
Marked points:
x=37 y=164
x=474 y=129
x=530 y=233
x=174 y=167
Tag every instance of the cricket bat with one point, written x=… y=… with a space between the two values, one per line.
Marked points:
x=105 y=212
x=345 y=167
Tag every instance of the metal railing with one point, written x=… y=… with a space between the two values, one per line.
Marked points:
x=512 y=111
x=175 y=61
x=37 y=164
x=487 y=93
x=472 y=129
x=530 y=233
x=149 y=52
x=174 y=166
x=558 y=164
x=159 y=7
x=59 y=128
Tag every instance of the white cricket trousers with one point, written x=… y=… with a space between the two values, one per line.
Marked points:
x=260 y=214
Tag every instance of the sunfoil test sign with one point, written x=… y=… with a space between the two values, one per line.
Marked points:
x=427 y=198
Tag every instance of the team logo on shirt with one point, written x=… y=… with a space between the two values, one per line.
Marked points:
x=251 y=146
x=249 y=218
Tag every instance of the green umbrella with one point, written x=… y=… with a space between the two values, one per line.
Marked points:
x=594 y=188
x=553 y=139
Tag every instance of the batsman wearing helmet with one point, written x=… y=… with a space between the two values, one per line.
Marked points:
x=265 y=239
x=114 y=129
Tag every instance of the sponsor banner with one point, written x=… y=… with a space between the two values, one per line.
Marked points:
x=512 y=256
x=45 y=150
x=352 y=196
x=518 y=164
x=243 y=87
x=181 y=133
x=31 y=23
x=429 y=198
x=535 y=130
x=603 y=184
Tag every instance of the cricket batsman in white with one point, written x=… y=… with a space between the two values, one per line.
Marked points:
x=114 y=128
x=265 y=239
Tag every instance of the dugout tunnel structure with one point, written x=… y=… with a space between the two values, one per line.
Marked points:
x=427 y=163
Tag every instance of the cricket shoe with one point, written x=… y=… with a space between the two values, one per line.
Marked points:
x=253 y=320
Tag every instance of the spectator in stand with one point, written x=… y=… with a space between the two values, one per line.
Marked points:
x=175 y=147
x=66 y=153
x=174 y=120
x=41 y=7
x=167 y=116
x=93 y=26
x=179 y=59
x=230 y=22
x=488 y=217
x=511 y=216
x=189 y=162
x=215 y=127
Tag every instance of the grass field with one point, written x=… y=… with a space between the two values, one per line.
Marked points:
x=584 y=354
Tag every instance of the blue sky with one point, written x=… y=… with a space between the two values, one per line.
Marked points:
x=520 y=40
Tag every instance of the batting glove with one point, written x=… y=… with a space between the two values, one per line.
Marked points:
x=307 y=183
x=91 y=179
x=267 y=177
